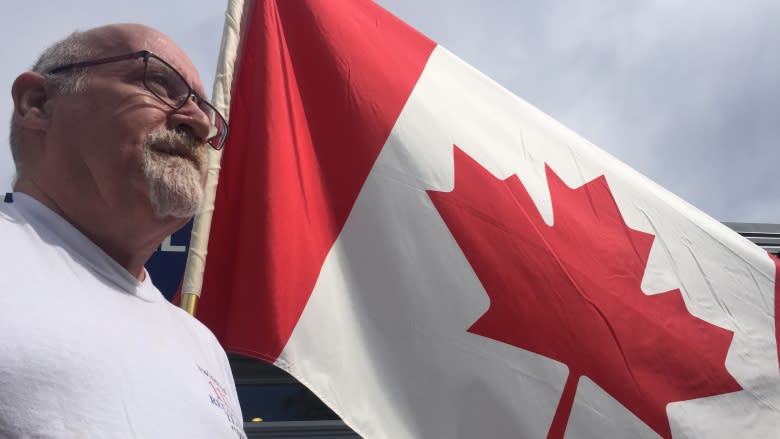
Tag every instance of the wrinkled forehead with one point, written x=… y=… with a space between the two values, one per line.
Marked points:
x=119 y=39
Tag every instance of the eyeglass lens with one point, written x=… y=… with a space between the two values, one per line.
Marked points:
x=170 y=87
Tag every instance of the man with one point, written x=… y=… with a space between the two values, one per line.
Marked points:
x=109 y=136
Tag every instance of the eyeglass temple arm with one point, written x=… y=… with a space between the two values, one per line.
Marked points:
x=139 y=54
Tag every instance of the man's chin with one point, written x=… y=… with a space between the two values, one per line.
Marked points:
x=175 y=186
x=176 y=204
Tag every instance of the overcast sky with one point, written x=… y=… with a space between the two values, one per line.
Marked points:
x=686 y=92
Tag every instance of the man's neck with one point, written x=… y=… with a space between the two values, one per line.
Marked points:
x=129 y=237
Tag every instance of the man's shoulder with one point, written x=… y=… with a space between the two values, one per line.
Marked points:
x=8 y=212
x=13 y=226
x=192 y=325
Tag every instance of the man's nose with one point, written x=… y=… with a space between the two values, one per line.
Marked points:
x=191 y=118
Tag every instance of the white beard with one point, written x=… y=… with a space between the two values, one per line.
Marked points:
x=175 y=182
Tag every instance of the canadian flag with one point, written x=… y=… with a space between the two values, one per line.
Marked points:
x=436 y=258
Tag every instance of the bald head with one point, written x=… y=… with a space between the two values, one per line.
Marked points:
x=111 y=39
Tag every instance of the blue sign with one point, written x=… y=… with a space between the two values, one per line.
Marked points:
x=166 y=266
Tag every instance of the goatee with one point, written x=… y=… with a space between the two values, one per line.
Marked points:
x=174 y=163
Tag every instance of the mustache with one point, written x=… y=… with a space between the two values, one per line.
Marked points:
x=177 y=143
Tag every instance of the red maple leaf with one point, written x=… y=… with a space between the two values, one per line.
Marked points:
x=571 y=292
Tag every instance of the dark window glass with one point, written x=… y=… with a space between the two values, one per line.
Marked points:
x=281 y=402
x=271 y=394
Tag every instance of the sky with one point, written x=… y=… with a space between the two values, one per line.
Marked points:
x=685 y=92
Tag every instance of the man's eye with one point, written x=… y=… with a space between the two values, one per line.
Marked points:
x=161 y=86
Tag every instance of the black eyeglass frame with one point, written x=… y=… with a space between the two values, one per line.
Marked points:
x=145 y=54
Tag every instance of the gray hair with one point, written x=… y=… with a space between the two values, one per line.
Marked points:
x=73 y=48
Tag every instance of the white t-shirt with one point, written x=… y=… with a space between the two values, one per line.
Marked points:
x=88 y=351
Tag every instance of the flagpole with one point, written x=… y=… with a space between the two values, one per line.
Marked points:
x=196 y=257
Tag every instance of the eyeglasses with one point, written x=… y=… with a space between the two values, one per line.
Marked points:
x=168 y=85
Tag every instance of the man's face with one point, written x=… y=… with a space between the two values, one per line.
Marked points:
x=120 y=143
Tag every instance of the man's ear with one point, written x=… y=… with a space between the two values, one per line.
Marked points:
x=31 y=95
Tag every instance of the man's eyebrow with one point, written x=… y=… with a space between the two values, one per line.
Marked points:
x=131 y=72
